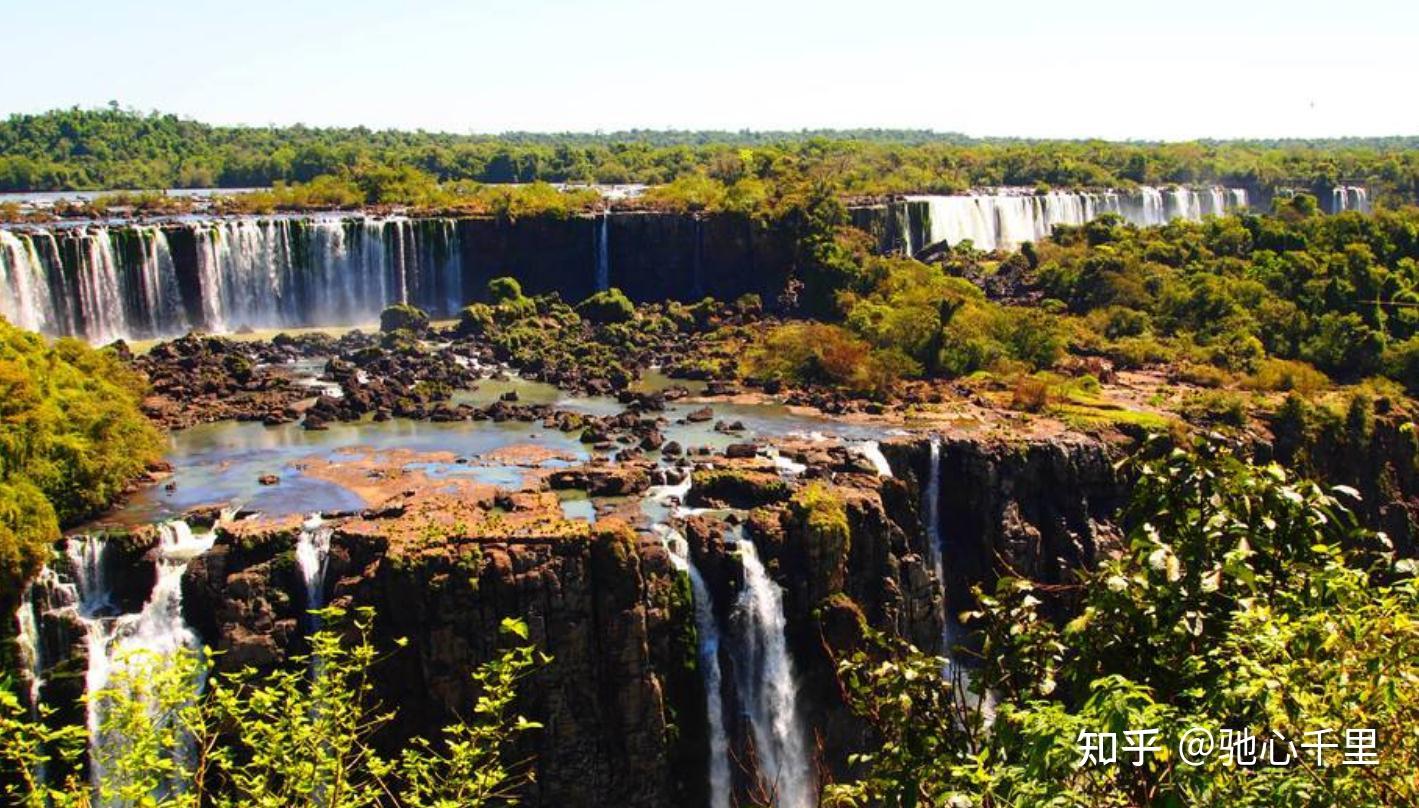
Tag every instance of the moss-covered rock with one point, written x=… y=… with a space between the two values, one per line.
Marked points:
x=610 y=306
x=404 y=317
x=738 y=488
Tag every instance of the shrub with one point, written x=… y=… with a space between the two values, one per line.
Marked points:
x=1029 y=394
x=404 y=317
x=1215 y=407
x=818 y=353
x=610 y=306
x=1401 y=363
x=1286 y=375
x=475 y=319
x=1241 y=598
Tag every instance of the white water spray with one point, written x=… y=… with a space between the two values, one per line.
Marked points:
x=871 y=450
x=768 y=686
x=312 y=553
x=603 y=252
x=1004 y=218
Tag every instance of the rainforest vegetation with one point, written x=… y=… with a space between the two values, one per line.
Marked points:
x=1237 y=596
x=1262 y=607
x=114 y=148
x=72 y=438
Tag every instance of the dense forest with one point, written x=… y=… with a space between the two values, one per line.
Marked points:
x=113 y=148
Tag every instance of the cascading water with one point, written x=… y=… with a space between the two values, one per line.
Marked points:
x=668 y=498
x=1008 y=217
x=768 y=686
x=931 y=516
x=871 y=450
x=102 y=283
x=1349 y=197
x=161 y=298
x=707 y=633
x=312 y=552
x=25 y=298
x=30 y=643
x=119 y=642
x=603 y=252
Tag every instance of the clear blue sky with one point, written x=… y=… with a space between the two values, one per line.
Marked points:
x=1042 y=68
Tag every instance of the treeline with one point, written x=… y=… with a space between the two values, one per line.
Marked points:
x=111 y=148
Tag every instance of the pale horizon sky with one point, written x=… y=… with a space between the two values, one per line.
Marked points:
x=1093 y=68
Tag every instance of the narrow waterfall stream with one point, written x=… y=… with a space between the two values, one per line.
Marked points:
x=707 y=633
x=31 y=642
x=707 y=653
x=603 y=252
x=312 y=552
x=768 y=686
x=721 y=784
x=931 y=515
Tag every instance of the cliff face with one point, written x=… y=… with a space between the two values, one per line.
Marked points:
x=1035 y=508
x=607 y=608
x=622 y=701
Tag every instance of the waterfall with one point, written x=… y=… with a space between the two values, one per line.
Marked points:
x=707 y=644
x=24 y=284
x=603 y=252
x=769 y=688
x=1349 y=197
x=697 y=285
x=30 y=643
x=99 y=300
x=871 y=450
x=936 y=551
x=707 y=635
x=1005 y=218
x=312 y=551
x=100 y=283
x=158 y=630
x=707 y=653
x=161 y=298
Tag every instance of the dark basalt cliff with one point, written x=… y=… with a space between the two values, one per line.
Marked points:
x=649 y=256
x=621 y=701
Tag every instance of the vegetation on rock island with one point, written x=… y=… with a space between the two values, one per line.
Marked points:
x=303 y=735
x=72 y=438
x=1243 y=600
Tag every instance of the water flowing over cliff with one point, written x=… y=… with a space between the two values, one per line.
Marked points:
x=106 y=607
x=134 y=281
x=1349 y=197
x=102 y=282
x=1007 y=217
x=769 y=686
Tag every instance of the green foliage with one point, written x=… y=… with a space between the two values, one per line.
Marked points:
x=1242 y=599
x=732 y=171
x=822 y=513
x=404 y=317
x=295 y=736
x=819 y=353
x=609 y=306
x=1334 y=292
x=504 y=290
x=72 y=437
x=29 y=746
